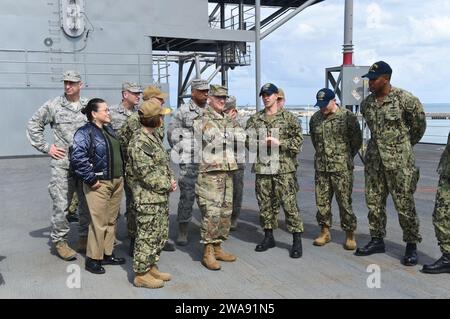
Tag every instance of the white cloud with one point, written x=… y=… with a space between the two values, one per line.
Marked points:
x=430 y=29
x=304 y=30
x=374 y=16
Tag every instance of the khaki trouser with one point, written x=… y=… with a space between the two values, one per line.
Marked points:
x=104 y=204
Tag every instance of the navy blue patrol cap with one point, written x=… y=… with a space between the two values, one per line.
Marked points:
x=377 y=69
x=269 y=89
x=324 y=96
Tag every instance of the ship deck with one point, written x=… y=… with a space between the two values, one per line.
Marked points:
x=29 y=267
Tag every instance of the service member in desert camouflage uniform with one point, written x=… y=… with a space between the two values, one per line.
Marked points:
x=180 y=134
x=397 y=122
x=153 y=180
x=336 y=137
x=214 y=187
x=278 y=136
x=125 y=133
x=239 y=153
x=64 y=116
x=441 y=215
x=131 y=96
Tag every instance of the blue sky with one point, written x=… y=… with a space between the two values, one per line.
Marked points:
x=412 y=36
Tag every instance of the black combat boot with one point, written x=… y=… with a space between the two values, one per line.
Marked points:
x=296 y=250
x=375 y=245
x=72 y=218
x=131 y=248
x=440 y=266
x=94 y=266
x=410 y=258
x=268 y=241
x=169 y=246
x=112 y=260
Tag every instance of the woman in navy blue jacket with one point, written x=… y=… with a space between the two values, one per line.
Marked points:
x=97 y=160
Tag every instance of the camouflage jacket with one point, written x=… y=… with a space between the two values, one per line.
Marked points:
x=119 y=115
x=148 y=168
x=395 y=126
x=444 y=163
x=64 y=118
x=336 y=139
x=180 y=131
x=218 y=135
x=132 y=125
x=287 y=129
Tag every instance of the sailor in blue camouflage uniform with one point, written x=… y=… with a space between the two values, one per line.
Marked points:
x=396 y=120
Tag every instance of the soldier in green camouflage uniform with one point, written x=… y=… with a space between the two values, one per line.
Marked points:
x=397 y=122
x=180 y=134
x=64 y=116
x=278 y=137
x=131 y=95
x=125 y=133
x=238 y=175
x=441 y=215
x=214 y=187
x=153 y=180
x=336 y=137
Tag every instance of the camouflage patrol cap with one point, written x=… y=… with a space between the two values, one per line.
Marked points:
x=377 y=69
x=132 y=87
x=199 y=84
x=281 y=94
x=152 y=108
x=230 y=103
x=218 y=90
x=153 y=91
x=71 y=76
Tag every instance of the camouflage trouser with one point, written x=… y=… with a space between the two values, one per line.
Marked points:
x=130 y=214
x=73 y=207
x=238 y=186
x=214 y=192
x=326 y=185
x=273 y=191
x=441 y=214
x=186 y=182
x=61 y=189
x=151 y=235
x=401 y=184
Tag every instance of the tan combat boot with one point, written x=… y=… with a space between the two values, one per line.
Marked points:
x=182 y=238
x=159 y=275
x=350 y=242
x=146 y=280
x=64 y=251
x=81 y=245
x=209 y=261
x=220 y=254
x=324 y=237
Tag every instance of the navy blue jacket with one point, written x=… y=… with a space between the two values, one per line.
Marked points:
x=91 y=156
